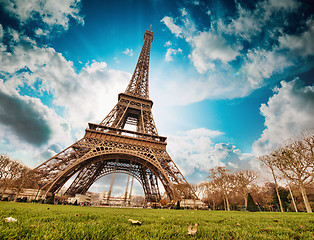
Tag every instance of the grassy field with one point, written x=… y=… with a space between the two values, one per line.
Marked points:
x=36 y=221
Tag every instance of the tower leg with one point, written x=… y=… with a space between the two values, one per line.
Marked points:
x=127 y=184
x=130 y=195
x=112 y=180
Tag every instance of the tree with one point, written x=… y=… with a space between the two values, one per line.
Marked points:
x=296 y=162
x=251 y=205
x=185 y=191
x=242 y=181
x=12 y=174
x=9 y=171
x=284 y=196
x=267 y=160
x=211 y=195
x=178 y=205
x=224 y=181
x=4 y=163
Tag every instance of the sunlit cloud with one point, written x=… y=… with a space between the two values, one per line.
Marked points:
x=50 y=12
x=287 y=113
x=226 y=47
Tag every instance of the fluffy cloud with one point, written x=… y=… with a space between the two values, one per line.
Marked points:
x=183 y=12
x=251 y=22
x=228 y=155
x=29 y=65
x=195 y=153
x=28 y=127
x=86 y=96
x=208 y=47
x=246 y=50
x=190 y=150
x=288 y=112
x=299 y=45
x=168 y=21
x=50 y=12
x=246 y=25
x=286 y=5
x=260 y=64
x=96 y=95
x=167 y=44
x=170 y=52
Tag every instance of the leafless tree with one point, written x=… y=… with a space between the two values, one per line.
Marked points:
x=242 y=181
x=9 y=169
x=296 y=162
x=206 y=192
x=268 y=161
x=223 y=180
x=185 y=191
x=263 y=194
x=4 y=162
x=12 y=174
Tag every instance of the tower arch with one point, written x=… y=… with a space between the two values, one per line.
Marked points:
x=146 y=171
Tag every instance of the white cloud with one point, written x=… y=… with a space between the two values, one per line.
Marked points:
x=228 y=155
x=51 y=12
x=195 y=153
x=183 y=12
x=214 y=85
x=95 y=66
x=245 y=51
x=167 y=44
x=96 y=94
x=41 y=32
x=85 y=97
x=128 y=52
x=261 y=64
x=76 y=92
x=210 y=51
x=247 y=24
x=168 y=21
x=287 y=5
x=190 y=150
x=170 y=52
x=250 y=22
x=208 y=47
x=288 y=112
x=301 y=44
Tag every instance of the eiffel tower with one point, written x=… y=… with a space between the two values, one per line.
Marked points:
x=109 y=148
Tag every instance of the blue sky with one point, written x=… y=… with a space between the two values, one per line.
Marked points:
x=230 y=80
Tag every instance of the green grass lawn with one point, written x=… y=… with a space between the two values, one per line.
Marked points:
x=37 y=221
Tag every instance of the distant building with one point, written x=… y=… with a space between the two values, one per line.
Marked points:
x=28 y=193
x=103 y=197
x=190 y=203
x=80 y=199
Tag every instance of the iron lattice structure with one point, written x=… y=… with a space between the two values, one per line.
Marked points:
x=108 y=147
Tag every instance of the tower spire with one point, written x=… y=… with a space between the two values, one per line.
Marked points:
x=138 y=85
